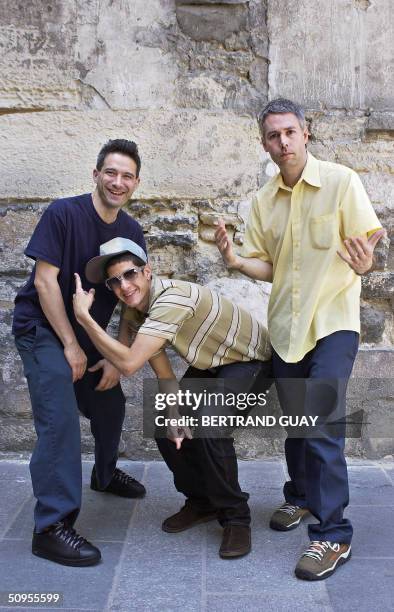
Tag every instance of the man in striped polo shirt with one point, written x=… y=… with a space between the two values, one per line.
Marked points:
x=217 y=339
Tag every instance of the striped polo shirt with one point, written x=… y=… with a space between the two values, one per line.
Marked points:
x=205 y=328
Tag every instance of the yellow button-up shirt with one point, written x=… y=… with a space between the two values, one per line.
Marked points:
x=299 y=230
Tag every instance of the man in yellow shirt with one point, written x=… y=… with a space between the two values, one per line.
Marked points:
x=312 y=232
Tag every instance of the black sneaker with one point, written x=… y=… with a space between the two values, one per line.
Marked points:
x=62 y=544
x=121 y=484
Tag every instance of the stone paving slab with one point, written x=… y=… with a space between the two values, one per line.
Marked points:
x=370 y=486
x=82 y=588
x=366 y=586
x=144 y=568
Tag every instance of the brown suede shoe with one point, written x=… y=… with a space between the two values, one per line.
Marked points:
x=236 y=542
x=186 y=518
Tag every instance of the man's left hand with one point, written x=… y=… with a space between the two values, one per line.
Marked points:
x=360 y=251
x=110 y=376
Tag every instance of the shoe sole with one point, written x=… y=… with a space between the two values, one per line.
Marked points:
x=69 y=562
x=137 y=496
x=235 y=555
x=202 y=520
x=305 y=575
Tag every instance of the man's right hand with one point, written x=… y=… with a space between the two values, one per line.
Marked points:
x=225 y=246
x=178 y=434
x=76 y=359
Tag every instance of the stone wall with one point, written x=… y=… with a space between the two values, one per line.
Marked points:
x=185 y=79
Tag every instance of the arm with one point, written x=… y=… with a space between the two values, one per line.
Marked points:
x=168 y=383
x=111 y=375
x=250 y=266
x=52 y=304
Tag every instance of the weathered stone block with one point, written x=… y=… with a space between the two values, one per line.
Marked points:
x=253 y=296
x=364 y=157
x=381 y=122
x=211 y=22
x=207 y=233
x=377 y=363
x=337 y=126
x=163 y=239
x=172 y=223
x=230 y=219
x=71 y=56
x=188 y=154
x=372 y=324
x=17 y=223
x=206 y=56
x=379 y=285
x=348 y=62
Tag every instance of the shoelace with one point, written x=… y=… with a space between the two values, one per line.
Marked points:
x=123 y=477
x=288 y=509
x=69 y=536
x=317 y=549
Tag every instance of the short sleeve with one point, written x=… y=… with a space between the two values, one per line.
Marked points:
x=254 y=242
x=133 y=318
x=47 y=241
x=167 y=314
x=357 y=216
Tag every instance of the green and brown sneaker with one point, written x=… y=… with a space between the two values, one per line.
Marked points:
x=321 y=559
x=287 y=517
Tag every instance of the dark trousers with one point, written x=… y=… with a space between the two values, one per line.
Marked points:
x=55 y=464
x=205 y=469
x=317 y=466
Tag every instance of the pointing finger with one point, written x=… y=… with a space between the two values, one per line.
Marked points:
x=78 y=284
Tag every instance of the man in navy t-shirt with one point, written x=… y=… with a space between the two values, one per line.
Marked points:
x=65 y=373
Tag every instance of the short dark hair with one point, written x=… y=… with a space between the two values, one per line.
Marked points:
x=124 y=257
x=119 y=145
x=279 y=106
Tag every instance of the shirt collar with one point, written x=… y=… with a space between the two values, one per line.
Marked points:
x=310 y=175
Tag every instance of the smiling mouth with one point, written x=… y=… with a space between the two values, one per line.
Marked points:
x=116 y=193
x=128 y=295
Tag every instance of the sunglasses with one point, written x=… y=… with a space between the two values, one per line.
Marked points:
x=115 y=282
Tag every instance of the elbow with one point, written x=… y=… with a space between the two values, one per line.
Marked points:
x=128 y=369
x=41 y=284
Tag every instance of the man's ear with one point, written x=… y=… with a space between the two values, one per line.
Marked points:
x=148 y=271
x=263 y=143
x=306 y=135
x=95 y=175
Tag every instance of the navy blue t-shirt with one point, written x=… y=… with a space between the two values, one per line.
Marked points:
x=68 y=234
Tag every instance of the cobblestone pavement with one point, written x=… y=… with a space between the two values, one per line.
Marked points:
x=144 y=568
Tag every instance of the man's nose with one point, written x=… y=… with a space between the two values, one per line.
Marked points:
x=117 y=180
x=283 y=141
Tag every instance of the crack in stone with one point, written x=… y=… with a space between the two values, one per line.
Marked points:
x=13 y=111
x=96 y=91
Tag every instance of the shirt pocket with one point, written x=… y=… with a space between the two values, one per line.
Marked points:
x=322 y=231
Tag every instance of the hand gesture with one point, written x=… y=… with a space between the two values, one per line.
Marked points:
x=225 y=245
x=82 y=300
x=178 y=434
x=360 y=251
x=110 y=376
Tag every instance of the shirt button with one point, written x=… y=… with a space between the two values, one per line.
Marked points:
x=296 y=244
